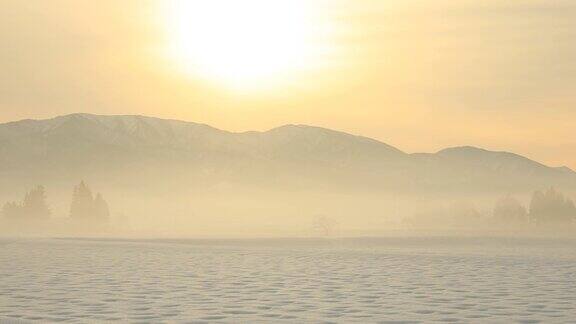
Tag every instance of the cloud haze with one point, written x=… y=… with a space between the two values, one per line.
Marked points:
x=421 y=74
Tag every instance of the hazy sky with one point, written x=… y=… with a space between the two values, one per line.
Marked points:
x=419 y=75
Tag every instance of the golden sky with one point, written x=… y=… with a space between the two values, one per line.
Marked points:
x=419 y=75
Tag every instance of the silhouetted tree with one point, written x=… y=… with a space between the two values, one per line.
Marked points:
x=90 y=210
x=33 y=207
x=325 y=225
x=551 y=206
x=509 y=209
x=82 y=206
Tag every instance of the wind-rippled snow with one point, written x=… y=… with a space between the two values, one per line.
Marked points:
x=348 y=281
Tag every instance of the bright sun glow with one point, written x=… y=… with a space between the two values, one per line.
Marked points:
x=243 y=43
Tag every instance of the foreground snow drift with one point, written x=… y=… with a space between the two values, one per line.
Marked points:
x=360 y=281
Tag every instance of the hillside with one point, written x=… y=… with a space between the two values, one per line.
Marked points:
x=134 y=149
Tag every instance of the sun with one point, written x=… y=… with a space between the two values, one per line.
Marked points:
x=243 y=43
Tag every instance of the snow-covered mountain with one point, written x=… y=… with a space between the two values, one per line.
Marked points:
x=119 y=147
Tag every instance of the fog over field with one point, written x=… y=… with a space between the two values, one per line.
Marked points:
x=143 y=176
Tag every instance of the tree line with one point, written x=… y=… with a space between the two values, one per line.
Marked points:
x=546 y=207
x=550 y=206
x=34 y=206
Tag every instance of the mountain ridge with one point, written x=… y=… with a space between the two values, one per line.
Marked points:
x=84 y=143
x=271 y=130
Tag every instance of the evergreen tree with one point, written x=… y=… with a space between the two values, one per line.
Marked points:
x=551 y=206
x=91 y=210
x=82 y=206
x=34 y=205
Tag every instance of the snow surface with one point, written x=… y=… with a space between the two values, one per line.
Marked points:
x=294 y=281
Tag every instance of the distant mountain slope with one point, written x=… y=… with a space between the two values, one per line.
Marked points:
x=121 y=146
x=500 y=162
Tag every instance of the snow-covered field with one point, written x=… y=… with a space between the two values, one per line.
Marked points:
x=294 y=281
